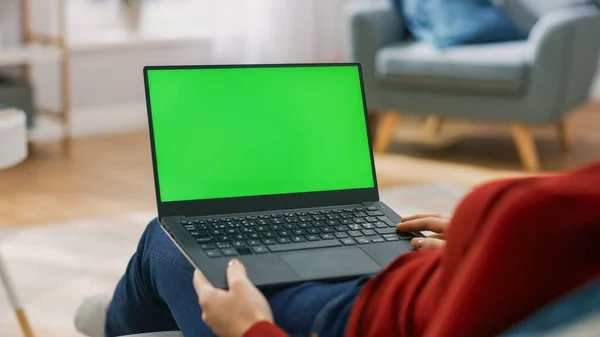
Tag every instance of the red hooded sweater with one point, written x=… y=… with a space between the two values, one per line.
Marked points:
x=512 y=247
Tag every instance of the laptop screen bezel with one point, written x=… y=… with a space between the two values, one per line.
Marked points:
x=263 y=202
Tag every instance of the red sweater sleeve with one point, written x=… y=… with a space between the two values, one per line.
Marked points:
x=265 y=329
x=512 y=247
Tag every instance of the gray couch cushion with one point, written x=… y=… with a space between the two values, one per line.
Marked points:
x=527 y=12
x=490 y=68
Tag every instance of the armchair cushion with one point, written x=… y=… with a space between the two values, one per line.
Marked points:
x=491 y=68
x=447 y=23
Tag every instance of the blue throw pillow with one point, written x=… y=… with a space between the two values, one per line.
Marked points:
x=447 y=23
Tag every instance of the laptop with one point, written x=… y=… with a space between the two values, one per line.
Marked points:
x=272 y=165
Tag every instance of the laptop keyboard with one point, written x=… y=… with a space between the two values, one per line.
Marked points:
x=281 y=232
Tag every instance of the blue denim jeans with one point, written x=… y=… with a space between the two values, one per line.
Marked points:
x=156 y=294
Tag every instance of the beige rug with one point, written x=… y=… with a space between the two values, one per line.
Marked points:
x=54 y=266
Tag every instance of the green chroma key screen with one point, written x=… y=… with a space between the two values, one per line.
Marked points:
x=235 y=132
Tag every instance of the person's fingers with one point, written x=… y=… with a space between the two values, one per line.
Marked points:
x=420 y=216
x=427 y=243
x=437 y=225
x=437 y=236
x=205 y=290
x=236 y=274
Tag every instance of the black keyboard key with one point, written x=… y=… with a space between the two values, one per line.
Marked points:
x=284 y=233
x=254 y=236
x=202 y=227
x=313 y=238
x=298 y=239
x=207 y=239
x=304 y=225
x=374 y=213
x=207 y=246
x=378 y=240
x=263 y=217
x=325 y=211
x=360 y=209
x=234 y=225
x=359 y=220
x=348 y=210
x=291 y=220
x=318 y=217
x=238 y=218
x=231 y=231
x=194 y=234
x=300 y=213
x=260 y=249
x=223 y=238
x=355 y=227
x=190 y=227
x=362 y=241
x=290 y=226
x=327 y=230
x=261 y=229
x=355 y=233
x=368 y=232
x=269 y=241
x=332 y=222
x=276 y=216
x=386 y=230
x=336 y=211
x=185 y=222
x=263 y=222
x=244 y=251
x=212 y=220
x=251 y=217
x=238 y=244
x=223 y=245
x=371 y=208
x=327 y=236
x=313 y=231
x=368 y=226
x=217 y=232
x=304 y=218
x=254 y=243
x=341 y=228
x=249 y=224
x=332 y=216
x=348 y=241
x=199 y=222
x=392 y=238
x=229 y=251
x=213 y=253
x=360 y=214
x=305 y=245
x=346 y=222
x=284 y=240
x=299 y=232
x=371 y=219
x=287 y=215
x=239 y=237
x=405 y=236
x=278 y=221
x=380 y=224
x=269 y=235
x=313 y=212
x=319 y=224
x=247 y=230
x=276 y=227
x=341 y=235
x=224 y=219
x=346 y=215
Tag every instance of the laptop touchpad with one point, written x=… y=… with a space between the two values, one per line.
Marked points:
x=339 y=262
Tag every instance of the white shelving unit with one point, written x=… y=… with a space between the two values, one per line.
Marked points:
x=37 y=49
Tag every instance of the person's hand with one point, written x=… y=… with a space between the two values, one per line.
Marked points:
x=425 y=222
x=230 y=313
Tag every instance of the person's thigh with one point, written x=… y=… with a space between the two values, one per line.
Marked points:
x=157 y=294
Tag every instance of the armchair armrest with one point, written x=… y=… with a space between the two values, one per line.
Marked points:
x=370 y=27
x=564 y=48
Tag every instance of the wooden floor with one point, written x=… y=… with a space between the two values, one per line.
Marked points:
x=112 y=174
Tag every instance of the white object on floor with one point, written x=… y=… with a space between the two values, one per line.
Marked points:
x=13 y=137
x=91 y=316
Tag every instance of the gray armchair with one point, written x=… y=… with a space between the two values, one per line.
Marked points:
x=533 y=82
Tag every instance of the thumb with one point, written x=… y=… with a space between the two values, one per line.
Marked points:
x=427 y=243
x=236 y=274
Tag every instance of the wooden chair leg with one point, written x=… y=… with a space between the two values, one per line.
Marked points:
x=386 y=129
x=563 y=134
x=12 y=296
x=526 y=147
x=434 y=125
